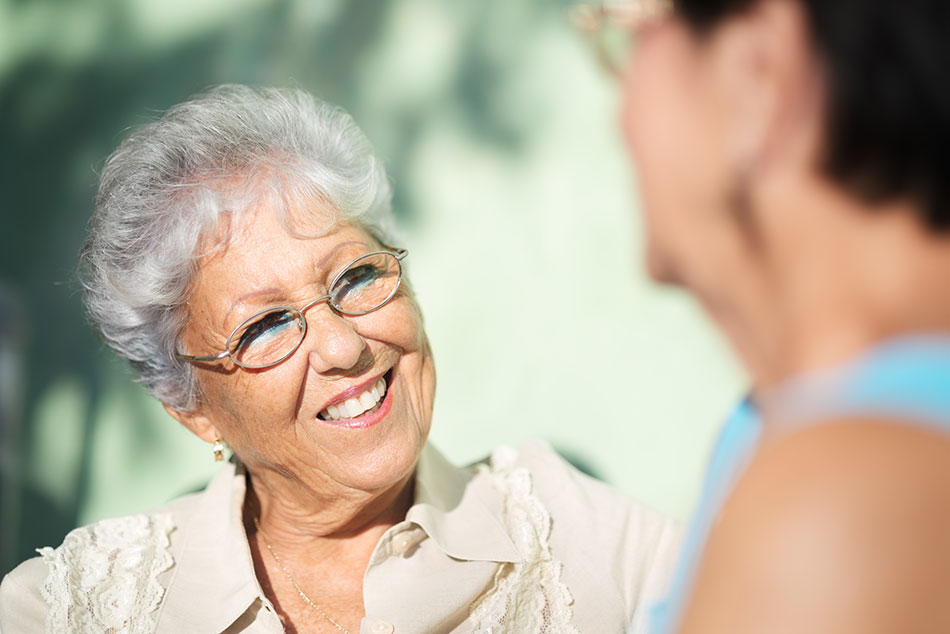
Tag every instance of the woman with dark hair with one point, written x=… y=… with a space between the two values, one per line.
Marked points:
x=793 y=164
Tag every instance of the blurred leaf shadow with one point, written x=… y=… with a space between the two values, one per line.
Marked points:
x=59 y=119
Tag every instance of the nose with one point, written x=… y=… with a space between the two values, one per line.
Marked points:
x=332 y=342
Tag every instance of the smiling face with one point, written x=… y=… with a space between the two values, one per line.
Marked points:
x=350 y=409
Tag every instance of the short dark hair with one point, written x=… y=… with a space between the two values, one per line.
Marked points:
x=888 y=118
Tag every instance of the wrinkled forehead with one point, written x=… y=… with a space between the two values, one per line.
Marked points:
x=261 y=248
x=249 y=207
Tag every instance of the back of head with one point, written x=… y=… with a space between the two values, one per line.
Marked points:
x=888 y=110
x=171 y=181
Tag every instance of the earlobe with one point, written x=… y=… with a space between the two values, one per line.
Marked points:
x=763 y=75
x=198 y=423
x=746 y=84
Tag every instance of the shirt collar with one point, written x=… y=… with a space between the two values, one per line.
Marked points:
x=214 y=562
x=461 y=513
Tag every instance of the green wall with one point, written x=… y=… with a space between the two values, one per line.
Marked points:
x=514 y=193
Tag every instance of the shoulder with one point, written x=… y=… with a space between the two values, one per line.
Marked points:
x=592 y=508
x=849 y=470
x=22 y=606
x=845 y=522
x=102 y=574
x=613 y=548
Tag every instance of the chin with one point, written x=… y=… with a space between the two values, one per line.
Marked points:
x=388 y=460
x=660 y=268
x=385 y=471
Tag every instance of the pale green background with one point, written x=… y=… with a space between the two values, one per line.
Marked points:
x=516 y=199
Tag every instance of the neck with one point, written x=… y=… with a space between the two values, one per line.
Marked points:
x=343 y=528
x=302 y=548
x=838 y=279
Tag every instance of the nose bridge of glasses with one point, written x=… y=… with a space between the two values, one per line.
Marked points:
x=311 y=304
x=326 y=321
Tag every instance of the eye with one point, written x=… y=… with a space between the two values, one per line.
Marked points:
x=354 y=280
x=274 y=325
x=366 y=284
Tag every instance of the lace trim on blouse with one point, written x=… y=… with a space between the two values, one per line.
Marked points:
x=104 y=577
x=527 y=596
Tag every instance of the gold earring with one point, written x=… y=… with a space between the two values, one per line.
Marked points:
x=218 y=449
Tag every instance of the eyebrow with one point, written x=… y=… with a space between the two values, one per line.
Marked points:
x=275 y=291
x=240 y=300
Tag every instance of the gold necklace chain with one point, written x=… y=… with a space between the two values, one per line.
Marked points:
x=303 y=595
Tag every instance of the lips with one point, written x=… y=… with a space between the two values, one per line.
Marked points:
x=357 y=401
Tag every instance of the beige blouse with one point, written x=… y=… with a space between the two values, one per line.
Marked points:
x=521 y=543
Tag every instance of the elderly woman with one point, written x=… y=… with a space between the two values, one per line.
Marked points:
x=240 y=257
x=793 y=159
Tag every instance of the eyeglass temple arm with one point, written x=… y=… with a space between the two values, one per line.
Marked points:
x=206 y=359
x=399 y=252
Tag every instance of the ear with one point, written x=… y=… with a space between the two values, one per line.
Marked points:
x=769 y=85
x=198 y=423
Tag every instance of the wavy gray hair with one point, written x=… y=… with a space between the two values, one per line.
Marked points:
x=168 y=184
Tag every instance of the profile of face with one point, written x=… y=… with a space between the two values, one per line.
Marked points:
x=669 y=130
x=350 y=408
x=704 y=113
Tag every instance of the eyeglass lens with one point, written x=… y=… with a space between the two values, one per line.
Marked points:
x=613 y=25
x=272 y=335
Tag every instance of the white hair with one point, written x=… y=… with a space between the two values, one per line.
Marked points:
x=168 y=184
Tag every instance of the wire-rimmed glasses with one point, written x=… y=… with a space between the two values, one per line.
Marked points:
x=270 y=336
x=611 y=23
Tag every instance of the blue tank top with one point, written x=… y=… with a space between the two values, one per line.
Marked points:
x=907 y=379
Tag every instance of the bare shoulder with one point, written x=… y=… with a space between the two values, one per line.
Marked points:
x=841 y=527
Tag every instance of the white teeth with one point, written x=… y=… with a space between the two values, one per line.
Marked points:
x=352 y=407
x=360 y=404
x=367 y=400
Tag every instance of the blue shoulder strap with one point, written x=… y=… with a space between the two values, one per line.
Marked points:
x=907 y=379
x=736 y=442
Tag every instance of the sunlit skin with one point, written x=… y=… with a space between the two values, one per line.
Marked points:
x=324 y=493
x=841 y=528
x=790 y=283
